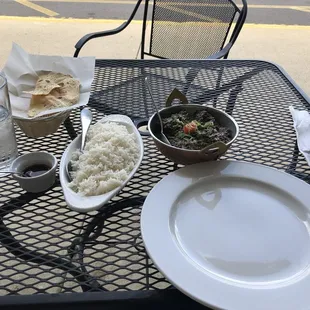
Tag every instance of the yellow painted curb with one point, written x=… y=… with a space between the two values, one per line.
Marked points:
x=66 y=20
x=118 y=21
x=303 y=8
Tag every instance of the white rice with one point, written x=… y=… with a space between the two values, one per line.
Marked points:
x=110 y=154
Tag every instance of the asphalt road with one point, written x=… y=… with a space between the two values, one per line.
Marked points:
x=287 y=12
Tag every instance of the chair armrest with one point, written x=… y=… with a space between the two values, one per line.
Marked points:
x=222 y=53
x=90 y=36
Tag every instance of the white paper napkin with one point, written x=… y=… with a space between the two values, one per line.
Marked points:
x=302 y=127
x=22 y=70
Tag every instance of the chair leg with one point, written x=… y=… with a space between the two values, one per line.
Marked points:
x=70 y=129
x=218 y=84
x=218 y=81
x=190 y=77
x=232 y=99
x=293 y=164
x=139 y=48
x=144 y=94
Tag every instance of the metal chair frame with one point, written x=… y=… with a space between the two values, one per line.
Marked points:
x=223 y=53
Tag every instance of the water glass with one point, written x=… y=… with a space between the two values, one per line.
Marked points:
x=8 y=146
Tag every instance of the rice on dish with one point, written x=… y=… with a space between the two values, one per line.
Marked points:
x=110 y=154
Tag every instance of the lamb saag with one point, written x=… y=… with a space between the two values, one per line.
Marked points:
x=194 y=131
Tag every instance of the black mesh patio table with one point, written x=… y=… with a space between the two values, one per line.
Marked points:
x=51 y=256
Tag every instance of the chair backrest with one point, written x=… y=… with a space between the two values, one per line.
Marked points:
x=191 y=28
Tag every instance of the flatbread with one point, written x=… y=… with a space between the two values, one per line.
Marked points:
x=64 y=94
x=47 y=82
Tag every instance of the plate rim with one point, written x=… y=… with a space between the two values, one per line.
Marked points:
x=153 y=251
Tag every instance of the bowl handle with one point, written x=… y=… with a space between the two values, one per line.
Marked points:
x=214 y=149
x=176 y=94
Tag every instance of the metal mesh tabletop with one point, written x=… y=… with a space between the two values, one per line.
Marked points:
x=47 y=248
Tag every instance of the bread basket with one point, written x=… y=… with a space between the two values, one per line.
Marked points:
x=41 y=126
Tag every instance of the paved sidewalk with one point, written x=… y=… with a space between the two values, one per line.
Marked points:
x=287 y=46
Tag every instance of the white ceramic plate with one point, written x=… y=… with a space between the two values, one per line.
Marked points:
x=81 y=203
x=232 y=235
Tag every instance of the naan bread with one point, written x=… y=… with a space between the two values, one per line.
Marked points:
x=54 y=90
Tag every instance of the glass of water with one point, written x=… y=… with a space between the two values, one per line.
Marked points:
x=8 y=146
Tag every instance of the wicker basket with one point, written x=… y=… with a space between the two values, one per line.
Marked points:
x=41 y=126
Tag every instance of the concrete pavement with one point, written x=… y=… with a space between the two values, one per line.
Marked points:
x=286 y=45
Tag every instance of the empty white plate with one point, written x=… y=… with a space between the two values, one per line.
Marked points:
x=232 y=235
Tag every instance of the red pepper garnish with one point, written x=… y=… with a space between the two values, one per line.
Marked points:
x=190 y=127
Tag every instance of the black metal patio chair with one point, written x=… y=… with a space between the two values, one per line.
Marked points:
x=185 y=29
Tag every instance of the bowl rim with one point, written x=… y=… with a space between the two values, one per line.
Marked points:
x=192 y=105
x=46 y=117
x=33 y=154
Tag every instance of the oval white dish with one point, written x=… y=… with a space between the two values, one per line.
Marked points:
x=80 y=203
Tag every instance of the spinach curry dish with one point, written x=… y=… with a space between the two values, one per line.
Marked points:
x=194 y=131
